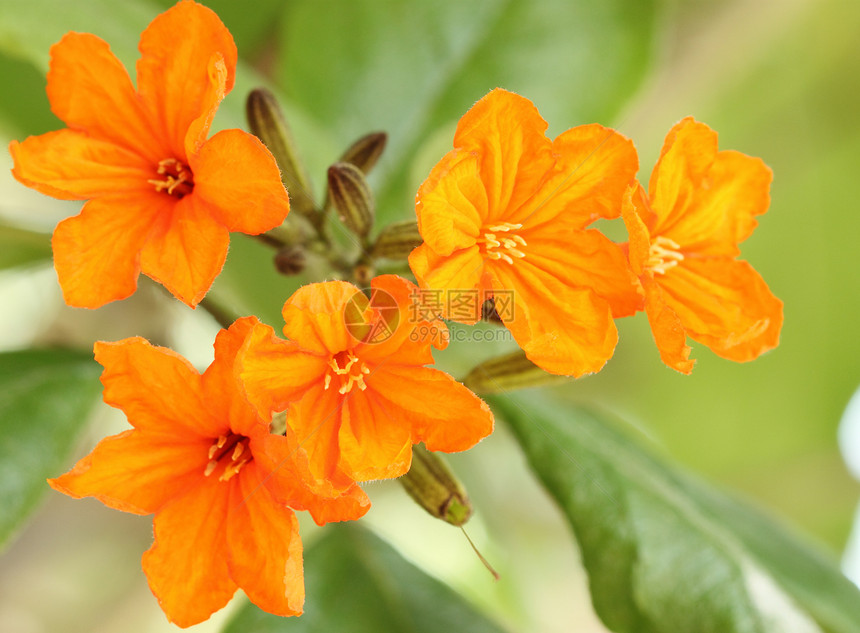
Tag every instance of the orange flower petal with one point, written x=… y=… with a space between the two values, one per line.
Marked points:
x=186 y=250
x=563 y=330
x=90 y=90
x=411 y=338
x=507 y=133
x=316 y=421
x=706 y=200
x=451 y=205
x=275 y=372
x=441 y=412
x=96 y=253
x=636 y=214
x=594 y=166
x=669 y=333
x=726 y=305
x=373 y=443
x=136 y=471
x=265 y=551
x=586 y=259
x=158 y=390
x=687 y=155
x=70 y=165
x=180 y=51
x=187 y=566
x=222 y=392
x=314 y=316
x=463 y=270
x=239 y=179
x=352 y=504
x=289 y=480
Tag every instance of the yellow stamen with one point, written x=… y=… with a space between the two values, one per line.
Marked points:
x=351 y=379
x=503 y=248
x=177 y=179
x=232 y=450
x=505 y=226
x=664 y=254
x=232 y=469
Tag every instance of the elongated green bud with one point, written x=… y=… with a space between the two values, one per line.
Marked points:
x=365 y=152
x=267 y=122
x=397 y=240
x=507 y=373
x=434 y=488
x=351 y=197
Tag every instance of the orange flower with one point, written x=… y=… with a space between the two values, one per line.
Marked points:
x=352 y=377
x=507 y=210
x=162 y=198
x=683 y=243
x=220 y=485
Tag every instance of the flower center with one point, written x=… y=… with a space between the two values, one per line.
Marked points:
x=232 y=451
x=664 y=254
x=177 y=178
x=351 y=373
x=500 y=243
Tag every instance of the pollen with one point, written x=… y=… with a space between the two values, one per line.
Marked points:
x=230 y=450
x=499 y=242
x=351 y=374
x=177 y=178
x=664 y=254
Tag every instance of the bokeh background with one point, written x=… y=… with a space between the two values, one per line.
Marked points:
x=776 y=78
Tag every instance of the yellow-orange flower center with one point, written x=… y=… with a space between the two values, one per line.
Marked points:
x=499 y=242
x=348 y=371
x=231 y=451
x=177 y=179
x=664 y=254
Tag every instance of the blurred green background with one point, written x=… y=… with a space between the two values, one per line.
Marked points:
x=776 y=78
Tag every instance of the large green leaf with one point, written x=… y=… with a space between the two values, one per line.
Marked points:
x=45 y=396
x=356 y=583
x=409 y=67
x=664 y=552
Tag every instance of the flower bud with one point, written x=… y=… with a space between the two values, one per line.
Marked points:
x=507 y=373
x=397 y=240
x=290 y=260
x=432 y=485
x=365 y=152
x=267 y=122
x=351 y=197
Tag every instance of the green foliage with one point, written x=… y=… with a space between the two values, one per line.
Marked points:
x=356 y=583
x=46 y=396
x=664 y=552
x=409 y=68
x=19 y=247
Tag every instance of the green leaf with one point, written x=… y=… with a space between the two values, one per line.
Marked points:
x=408 y=68
x=356 y=583
x=666 y=553
x=19 y=247
x=46 y=396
